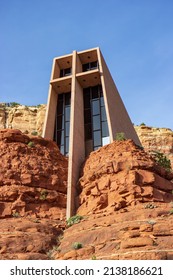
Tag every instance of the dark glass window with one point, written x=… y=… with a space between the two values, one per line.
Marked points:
x=67 y=128
x=65 y=72
x=105 y=131
x=101 y=101
x=60 y=107
x=95 y=107
x=88 y=131
x=96 y=148
x=95 y=120
x=94 y=65
x=62 y=122
x=62 y=149
x=67 y=98
x=89 y=66
x=97 y=138
x=95 y=92
x=87 y=116
x=60 y=137
x=86 y=100
x=103 y=114
x=67 y=113
x=66 y=145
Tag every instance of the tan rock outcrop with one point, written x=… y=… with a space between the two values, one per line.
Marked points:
x=156 y=139
x=27 y=119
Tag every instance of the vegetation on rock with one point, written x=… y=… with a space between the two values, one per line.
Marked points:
x=162 y=160
x=74 y=220
x=120 y=136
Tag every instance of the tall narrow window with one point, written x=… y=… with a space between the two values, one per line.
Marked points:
x=62 y=122
x=95 y=121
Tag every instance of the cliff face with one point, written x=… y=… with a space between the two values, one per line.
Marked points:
x=125 y=201
x=156 y=139
x=27 y=119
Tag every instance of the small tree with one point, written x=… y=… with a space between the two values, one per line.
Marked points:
x=142 y=124
x=162 y=160
x=14 y=104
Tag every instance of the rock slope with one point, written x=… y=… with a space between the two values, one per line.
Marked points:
x=126 y=202
x=33 y=186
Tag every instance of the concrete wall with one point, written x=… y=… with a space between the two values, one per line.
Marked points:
x=77 y=147
x=118 y=118
x=48 y=128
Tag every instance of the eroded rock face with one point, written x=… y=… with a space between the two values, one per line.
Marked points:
x=126 y=202
x=33 y=187
x=33 y=176
x=143 y=232
x=28 y=238
x=156 y=139
x=27 y=119
x=119 y=175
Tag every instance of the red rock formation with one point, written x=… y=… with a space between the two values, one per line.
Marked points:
x=28 y=238
x=119 y=175
x=33 y=186
x=33 y=176
x=126 y=201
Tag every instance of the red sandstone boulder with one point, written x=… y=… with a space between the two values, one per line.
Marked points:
x=33 y=176
x=119 y=175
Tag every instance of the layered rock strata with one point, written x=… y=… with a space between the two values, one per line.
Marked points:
x=156 y=139
x=126 y=202
x=33 y=186
x=27 y=119
x=33 y=176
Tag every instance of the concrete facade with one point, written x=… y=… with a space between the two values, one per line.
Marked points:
x=68 y=76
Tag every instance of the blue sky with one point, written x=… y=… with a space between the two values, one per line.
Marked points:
x=135 y=37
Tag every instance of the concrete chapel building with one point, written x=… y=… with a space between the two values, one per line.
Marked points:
x=84 y=111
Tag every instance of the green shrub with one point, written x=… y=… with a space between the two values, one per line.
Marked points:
x=77 y=245
x=31 y=144
x=142 y=124
x=162 y=160
x=74 y=220
x=120 y=136
x=150 y=206
x=16 y=214
x=43 y=194
x=34 y=133
x=14 y=104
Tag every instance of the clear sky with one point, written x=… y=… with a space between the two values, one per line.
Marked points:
x=135 y=37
